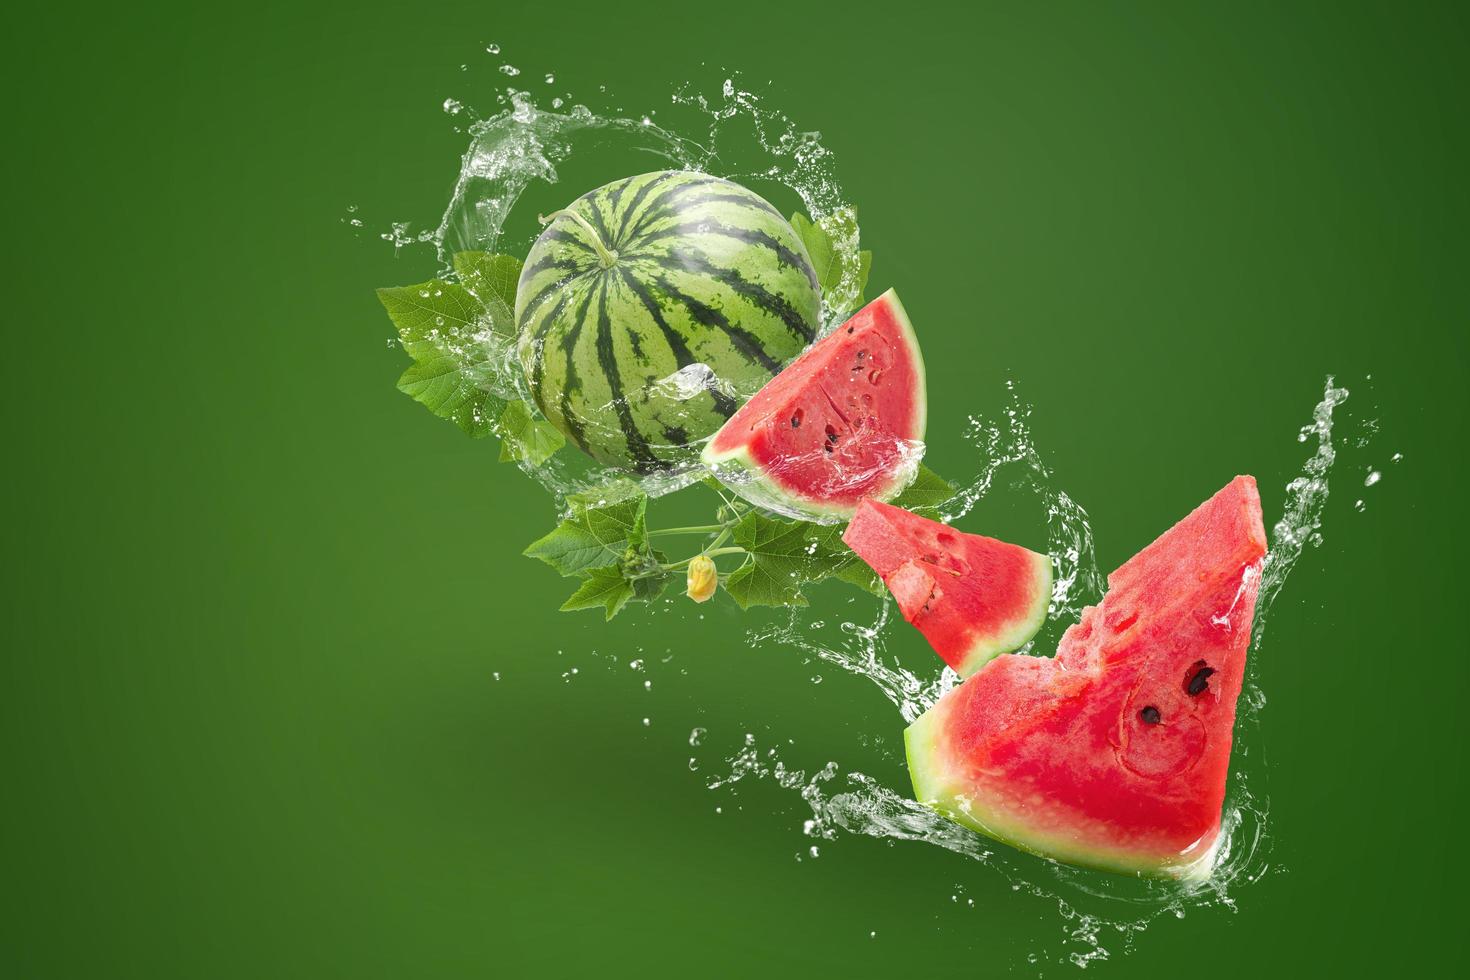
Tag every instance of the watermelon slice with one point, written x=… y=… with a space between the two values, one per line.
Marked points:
x=841 y=423
x=972 y=597
x=1114 y=753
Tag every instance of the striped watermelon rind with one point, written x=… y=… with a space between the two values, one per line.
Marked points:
x=637 y=360
x=761 y=484
x=936 y=786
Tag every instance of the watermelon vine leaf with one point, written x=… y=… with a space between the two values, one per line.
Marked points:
x=594 y=537
x=525 y=438
x=605 y=587
x=925 y=495
x=826 y=257
x=605 y=541
x=783 y=557
x=492 y=278
x=450 y=330
x=439 y=327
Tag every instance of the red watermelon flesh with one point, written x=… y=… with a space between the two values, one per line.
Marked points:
x=842 y=423
x=971 y=596
x=1113 y=754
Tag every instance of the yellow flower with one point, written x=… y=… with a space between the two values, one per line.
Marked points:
x=704 y=579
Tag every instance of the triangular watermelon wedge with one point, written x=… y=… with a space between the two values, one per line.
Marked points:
x=971 y=596
x=1114 y=753
x=843 y=422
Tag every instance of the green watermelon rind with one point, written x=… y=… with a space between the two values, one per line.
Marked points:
x=986 y=649
x=747 y=477
x=707 y=273
x=943 y=793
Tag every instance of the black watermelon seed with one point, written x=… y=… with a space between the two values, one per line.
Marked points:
x=1150 y=715
x=1199 y=681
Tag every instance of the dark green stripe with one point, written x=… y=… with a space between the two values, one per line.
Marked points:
x=572 y=382
x=619 y=189
x=695 y=262
x=535 y=300
x=738 y=200
x=743 y=340
x=538 y=351
x=724 y=404
x=643 y=458
x=661 y=206
x=596 y=218
x=554 y=234
x=550 y=261
x=638 y=200
x=747 y=235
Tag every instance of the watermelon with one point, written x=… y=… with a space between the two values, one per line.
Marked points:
x=1114 y=753
x=971 y=596
x=841 y=424
x=651 y=307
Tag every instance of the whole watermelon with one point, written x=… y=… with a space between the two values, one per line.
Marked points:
x=651 y=308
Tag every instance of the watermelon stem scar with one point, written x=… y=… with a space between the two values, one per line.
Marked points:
x=608 y=257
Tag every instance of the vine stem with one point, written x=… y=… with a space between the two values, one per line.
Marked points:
x=694 y=529
x=711 y=553
x=608 y=257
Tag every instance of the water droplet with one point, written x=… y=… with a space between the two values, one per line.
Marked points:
x=1373 y=477
x=1397 y=457
x=648 y=685
x=495 y=674
x=647 y=722
x=550 y=79
x=636 y=664
x=492 y=49
x=509 y=70
x=557 y=103
x=696 y=736
x=453 y=107
x=815 y=852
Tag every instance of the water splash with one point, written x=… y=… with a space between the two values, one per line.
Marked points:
x=517 y=154
x=1099 y=914
x=523 y=148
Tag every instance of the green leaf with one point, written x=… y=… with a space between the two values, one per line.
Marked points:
x=617 y=489
x=594 y=537
x=606 y=587
x=831 y=558
x=928 y=491
x=825 y=260
x=650 y=588
x=524 y=437
x=492 y=278
x=440 y=326
x=782 y=556
x=857 y=572
x=823 y=251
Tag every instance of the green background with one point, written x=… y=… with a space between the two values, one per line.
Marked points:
x=255 y=598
